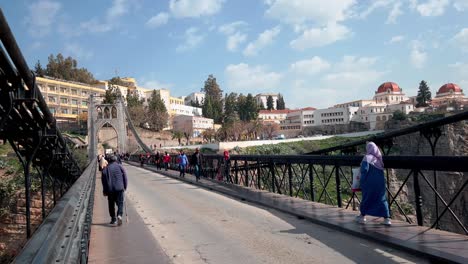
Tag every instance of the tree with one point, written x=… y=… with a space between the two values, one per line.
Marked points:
x=254 y=127
x=133 y=100
x=251 y=108
x=261 y=106
x=38 y=70
x=112 y=93
x=178 y=135
x=208 y=109
x=196 y=103
x=157 y=113
x=118 y=81
x=280 y=105
x=424 y=95
x=65 y=68
x=270 y=103
x=208 y=134
x=399 y=115
x=213 y=96
x=270 y=129
x=230 y=108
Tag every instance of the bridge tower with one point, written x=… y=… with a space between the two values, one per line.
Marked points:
x=100 y=115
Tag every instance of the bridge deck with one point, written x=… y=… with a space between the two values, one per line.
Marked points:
x=130 y=243
x=435 y=244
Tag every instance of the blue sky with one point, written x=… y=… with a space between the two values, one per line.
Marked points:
x=315 y=52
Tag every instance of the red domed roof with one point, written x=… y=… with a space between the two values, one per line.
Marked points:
x=384 y=87
x=446 y=88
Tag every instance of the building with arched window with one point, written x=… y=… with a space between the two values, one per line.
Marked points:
x=450 y=95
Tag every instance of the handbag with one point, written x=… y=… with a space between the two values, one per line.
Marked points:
x=356 y=186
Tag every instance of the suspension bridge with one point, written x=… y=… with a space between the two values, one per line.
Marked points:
x=251 y=209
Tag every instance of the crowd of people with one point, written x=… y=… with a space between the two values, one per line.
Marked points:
x=114 y=180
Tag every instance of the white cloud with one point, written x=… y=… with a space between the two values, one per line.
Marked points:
x=319 y=12
x=235 y=34
x=432 y=7
x=242 y=77
x=42 y=15
x=118 y=8
x=232 y=28
x=318 y=37
x=77 y=52
x=195 y=8
x=394 y=13
x=155 y=84
x=349 y=79
x=418 y=57
x=461 y=5
x=158 y=20
x=396 y=39
x=375 y=5
x=310 y=67
x=460 y=68
x=192 y=39
x=113 y=13
x=265 y=39
x=461 y=39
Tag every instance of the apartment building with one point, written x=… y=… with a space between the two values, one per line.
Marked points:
x=195 y=125
x=296 y=120
x=273 y=116
x=195 y=97
x=66 y=99
x=263 y=97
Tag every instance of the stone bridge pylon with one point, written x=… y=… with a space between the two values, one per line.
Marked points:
x=100 y=115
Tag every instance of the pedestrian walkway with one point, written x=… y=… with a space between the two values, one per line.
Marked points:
x=130 y=243
x=439 y=246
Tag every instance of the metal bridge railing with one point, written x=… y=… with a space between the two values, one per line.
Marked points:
x=412 y=181
x=64 y=235
x=30 y=128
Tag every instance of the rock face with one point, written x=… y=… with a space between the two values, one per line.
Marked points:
x=13 y=225
x=452 y=142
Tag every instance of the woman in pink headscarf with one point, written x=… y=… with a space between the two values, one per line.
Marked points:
x=374 y=200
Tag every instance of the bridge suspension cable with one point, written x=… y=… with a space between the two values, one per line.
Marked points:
x=135 y=133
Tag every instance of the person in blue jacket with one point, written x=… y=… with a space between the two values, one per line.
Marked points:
x=114 y=184
x=374 y=200
x=183 y=163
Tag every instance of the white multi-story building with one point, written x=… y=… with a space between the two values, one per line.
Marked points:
x=263 y=97
x=195 y=97
x=335 y=115
x=272 y=116
x=177 y=109
x=296 y=120
x=388 y=99
x=195 y=125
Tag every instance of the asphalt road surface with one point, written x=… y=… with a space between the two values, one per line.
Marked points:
x=194 y=225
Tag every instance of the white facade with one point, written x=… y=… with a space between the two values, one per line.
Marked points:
x=296 y=120
x=197 y=96
x=195 y=125
x=335 y=115
x=178 y=109
x=376 y=115
x=274 y=116
x=263 y=97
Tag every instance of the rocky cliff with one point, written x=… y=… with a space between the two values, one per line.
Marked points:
x=453 y=142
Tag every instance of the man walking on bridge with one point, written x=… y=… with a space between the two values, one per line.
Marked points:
x=197 y=161
x=114 y=184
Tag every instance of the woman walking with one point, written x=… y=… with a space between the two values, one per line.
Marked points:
x=374 y=200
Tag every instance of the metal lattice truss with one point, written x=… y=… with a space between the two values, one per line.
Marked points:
x=27 y=124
